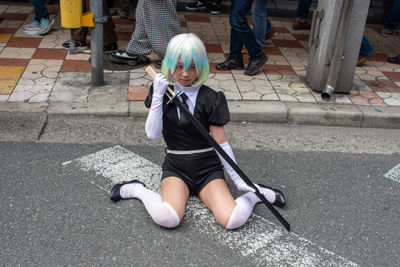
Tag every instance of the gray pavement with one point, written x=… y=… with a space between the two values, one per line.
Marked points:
x=56 y=208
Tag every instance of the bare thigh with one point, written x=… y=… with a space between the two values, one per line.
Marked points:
x=217 y=198
x=175 y=192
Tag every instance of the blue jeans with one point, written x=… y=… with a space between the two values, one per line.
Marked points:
x=302 y=10
x=366 y=48
x=261 y=23
x=392 y=19
x=40 y=9
x=241 y=33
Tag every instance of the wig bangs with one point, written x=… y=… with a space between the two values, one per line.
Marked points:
x=189 y=48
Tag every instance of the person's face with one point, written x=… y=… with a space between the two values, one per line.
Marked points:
x=185 y=77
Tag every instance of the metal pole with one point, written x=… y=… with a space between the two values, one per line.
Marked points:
x=72 y=49
x=338 y=51
x=96 y=43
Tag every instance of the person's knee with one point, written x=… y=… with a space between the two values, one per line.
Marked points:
x=237 y=218
x=238 y=23
x=223 y=218
x=166 y=217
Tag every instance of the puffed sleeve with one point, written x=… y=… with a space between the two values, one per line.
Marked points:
x=149 y=97
x=219 y=115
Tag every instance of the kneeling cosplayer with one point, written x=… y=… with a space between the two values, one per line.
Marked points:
x=191 y=166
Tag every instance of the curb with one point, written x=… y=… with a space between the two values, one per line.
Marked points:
x=292 y=113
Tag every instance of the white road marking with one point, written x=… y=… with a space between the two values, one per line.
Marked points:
x=394 y=174
x=260 y=241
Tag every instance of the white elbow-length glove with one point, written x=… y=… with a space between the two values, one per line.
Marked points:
x=154 y=119
x=240 y=184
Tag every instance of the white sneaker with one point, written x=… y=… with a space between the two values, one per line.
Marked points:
x=45 y=25
x=33 y=26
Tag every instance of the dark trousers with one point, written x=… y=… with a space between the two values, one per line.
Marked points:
x=109 y=35
x=241 y=33
x=40 y=10
x=392 y=19
x=366 y=48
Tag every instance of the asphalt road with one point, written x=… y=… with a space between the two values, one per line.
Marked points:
x=342 y=208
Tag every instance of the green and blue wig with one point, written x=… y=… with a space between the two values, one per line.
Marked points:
x=189 y=48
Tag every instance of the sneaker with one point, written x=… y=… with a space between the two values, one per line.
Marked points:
x=45 y=25
x=394 y=60
x=215 y=9
x=78 y=45
x=196 y=6
x=390 y=33
x=110 y=48
x=255 y=64
x=33 y=26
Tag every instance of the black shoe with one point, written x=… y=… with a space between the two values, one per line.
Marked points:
x=115 y=196
x=255 y=64
x=110 y=48
x=196 y=6
x=394 y=60
x=123 y=57
x=279 y=197
x=78 y=45
x=230 y=64
x=158 y=64
x=215 y=9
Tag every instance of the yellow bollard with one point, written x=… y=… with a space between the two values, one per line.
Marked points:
x=71 y=12
x=87 y=19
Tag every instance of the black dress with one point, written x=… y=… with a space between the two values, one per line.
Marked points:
x=196 y=170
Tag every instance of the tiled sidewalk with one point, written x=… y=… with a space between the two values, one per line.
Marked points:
x=36 y=69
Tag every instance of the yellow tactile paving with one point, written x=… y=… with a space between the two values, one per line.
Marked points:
x=5 y=37
x=9 y=76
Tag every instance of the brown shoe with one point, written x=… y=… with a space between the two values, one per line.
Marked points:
x=271 y=34
x=297 y=25
x=361 y=60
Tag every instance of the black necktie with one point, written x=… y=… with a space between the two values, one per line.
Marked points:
x=184 y=121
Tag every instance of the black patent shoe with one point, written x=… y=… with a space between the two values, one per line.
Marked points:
x=115 y=196
x=230 y=64
x=256 y=64
x=279 y=197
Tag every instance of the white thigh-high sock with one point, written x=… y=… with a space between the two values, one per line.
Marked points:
x=244 y=207
x=162 y=213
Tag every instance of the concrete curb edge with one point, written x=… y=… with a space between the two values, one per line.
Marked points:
x=292 y=113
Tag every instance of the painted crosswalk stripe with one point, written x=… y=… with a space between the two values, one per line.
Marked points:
x=394 y=174
x=260 y=241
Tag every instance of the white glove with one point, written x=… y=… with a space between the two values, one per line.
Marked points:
x=160 y=85
x=240 y=184
x=154 y=123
